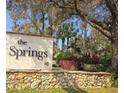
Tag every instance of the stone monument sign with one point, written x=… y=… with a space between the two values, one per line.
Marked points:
x=25 y=51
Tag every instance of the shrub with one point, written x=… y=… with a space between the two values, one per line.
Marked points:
x=89 y=67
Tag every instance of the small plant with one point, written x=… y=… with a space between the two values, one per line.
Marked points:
x=67 y=55
x=58 y=55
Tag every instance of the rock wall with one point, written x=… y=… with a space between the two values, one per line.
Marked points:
x=57 y=79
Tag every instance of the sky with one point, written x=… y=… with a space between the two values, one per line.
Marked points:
x=8 y=22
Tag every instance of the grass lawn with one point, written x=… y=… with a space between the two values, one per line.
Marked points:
x=66 y=90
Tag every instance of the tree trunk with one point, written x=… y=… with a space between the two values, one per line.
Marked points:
x=114 y=42
x=114 y=54
x=63 y=41
x=14 y=26
x=67 y=43
x=57 y=40
x=43 y=22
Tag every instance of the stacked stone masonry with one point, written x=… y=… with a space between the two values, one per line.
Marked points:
x=57 y=79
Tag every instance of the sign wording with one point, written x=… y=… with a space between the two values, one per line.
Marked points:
x=28 y=52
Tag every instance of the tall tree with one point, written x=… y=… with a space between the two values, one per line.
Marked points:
x=65 y=32
x=70 y=32
x=61 y=34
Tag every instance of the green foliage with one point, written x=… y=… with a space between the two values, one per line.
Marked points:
x=114 y=72
x=115 y=83
x=89 y=67
x=103 y=90
x=96 y=62
x=67 y=55
x=106 y=66
x=105 y=61
x=60 y=54
x=65 y=90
